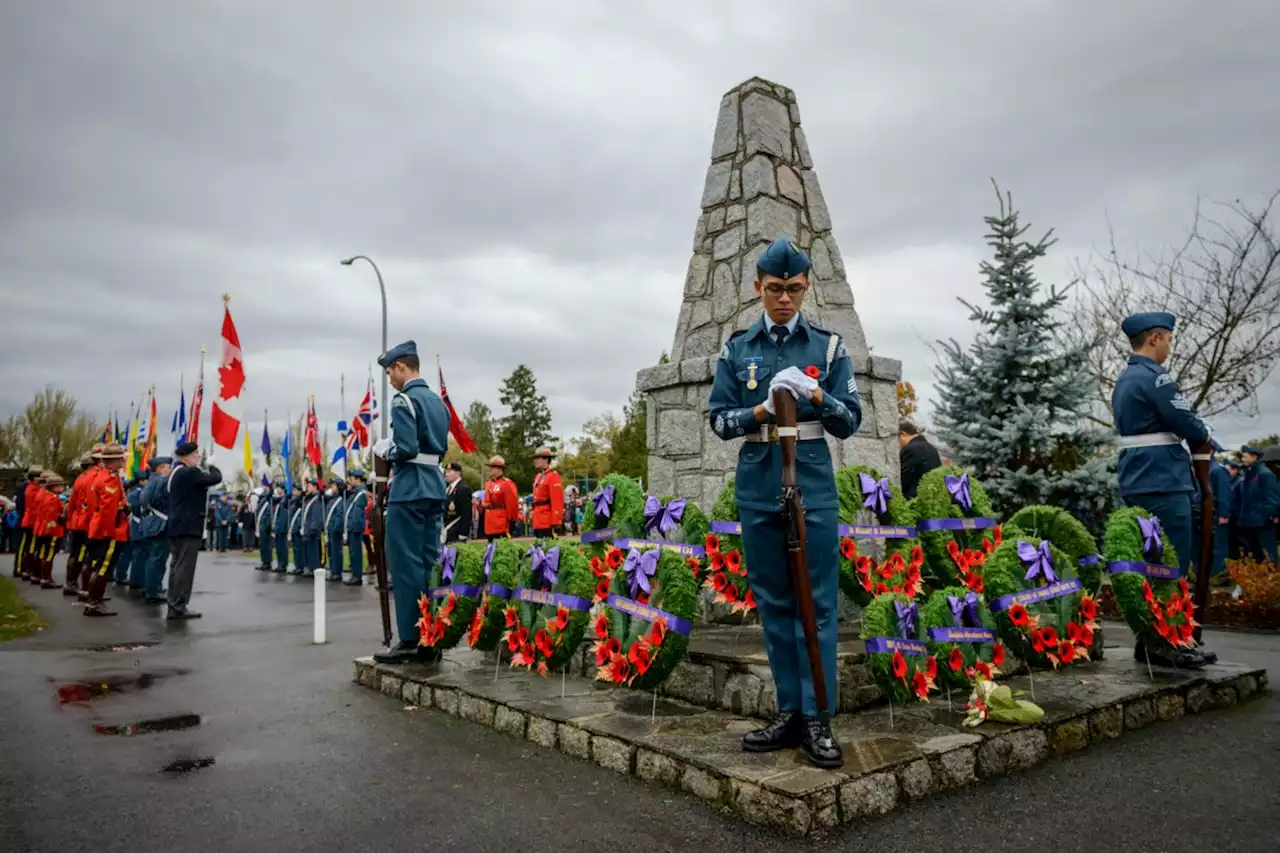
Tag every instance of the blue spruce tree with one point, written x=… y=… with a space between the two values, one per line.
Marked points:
x=1014 y=405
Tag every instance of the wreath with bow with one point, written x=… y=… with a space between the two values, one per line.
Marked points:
x=500 y=560
x=1066 y=533
x=724 y=573
x=450 y=603
x=862 y=489
x=899 y=660
x=953 y=516
x=642 y=631
x=961 y=633
x=614 y=510
x=1151 y=592
x=1040 y=606
x=547 y=614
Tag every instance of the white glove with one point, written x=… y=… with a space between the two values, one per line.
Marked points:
x=795 y=379
x=774 y=384
x=210 y=461
x=381 y=447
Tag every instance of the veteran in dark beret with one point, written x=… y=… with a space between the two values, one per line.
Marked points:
x=189 y=486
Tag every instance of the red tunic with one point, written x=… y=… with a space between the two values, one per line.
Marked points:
x=77 y=518
x=501 y=506
x=106 y=499
x=548 y=500
x=29 y=502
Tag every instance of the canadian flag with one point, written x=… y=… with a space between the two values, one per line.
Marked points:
x=228 y=408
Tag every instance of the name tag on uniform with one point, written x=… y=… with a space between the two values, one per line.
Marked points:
x=753 y=364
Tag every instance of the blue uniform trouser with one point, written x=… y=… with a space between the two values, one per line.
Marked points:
x=264 y=547
x=282 y=551
x=299 y=560
x=124 y=551
x=334 y=555
x=1221 y=543
x=220 y=537
x=765 y=542
x=139 y=556
x=310 y=552
x=1174 y=512
x=355 y=554
x=157 y=558
x=413 y=549
x=1258 y=542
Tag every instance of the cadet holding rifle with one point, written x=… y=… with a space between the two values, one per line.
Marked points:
x=783 y=352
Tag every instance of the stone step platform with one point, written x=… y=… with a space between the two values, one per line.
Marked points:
x=924 y=750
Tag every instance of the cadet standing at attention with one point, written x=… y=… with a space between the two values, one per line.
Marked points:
x=1153 y=419
x=135 y=573
x=334 y=502
x=154 y=529
x=783 y=350
x=262 y=523
x=296 y=501
x=353 y=520
x=312 y=527
x=415 y=504
x=280 y=525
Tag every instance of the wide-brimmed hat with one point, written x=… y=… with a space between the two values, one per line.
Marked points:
x=543 y=452
x=497 y=462
x=112 y=451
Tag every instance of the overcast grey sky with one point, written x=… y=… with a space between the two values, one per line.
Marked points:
x=528 y=174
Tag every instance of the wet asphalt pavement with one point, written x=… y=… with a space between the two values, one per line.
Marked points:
x=234 y=733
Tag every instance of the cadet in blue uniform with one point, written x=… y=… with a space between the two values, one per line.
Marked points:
x=222 y=518
x=296 y=502
x=312 y=526
x=280 y=526
x=1153 y=418
x=136 y=572
x=334 y=501
x=415 y=509
x=155 y=522
x=132 y=492
x=1259 y=505
x=262 y=523
x=1223 y=498
x=783 y=350
x=353 y=522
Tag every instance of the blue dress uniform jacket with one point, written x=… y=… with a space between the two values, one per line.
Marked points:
x=1147 y=400
x=1223 y=491
x=420 y=427
x=313 y=515
x=139 y=552
x=1259 y=495
x=154 y=498
x=280 y=524
x=353 y=521
x=187 y=490
x=755 y=355
x=134 y=500
x=263 y=522
x=155 y=503
x=333 y=508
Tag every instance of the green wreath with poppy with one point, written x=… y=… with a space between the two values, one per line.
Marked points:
x=862 y=577
x=902 y=677
x=625 y=512
x=724 y=572
x=1160 y=612
x=450 y=603
x=633 y=645
x=1048 y=633
x=543 y=636
x=1066 y=532
x=489 y=620
x=960 y=664
x=934 y=500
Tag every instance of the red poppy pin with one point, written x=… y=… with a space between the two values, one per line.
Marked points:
x=811 y=371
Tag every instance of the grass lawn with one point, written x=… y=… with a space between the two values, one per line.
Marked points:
x=17 y=618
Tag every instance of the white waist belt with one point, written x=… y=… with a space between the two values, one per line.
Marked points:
x=807 y=431
x=1150 y=439
x=160 y=515
x=425 y=459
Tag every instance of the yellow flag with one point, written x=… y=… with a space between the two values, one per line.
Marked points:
x=248 y=454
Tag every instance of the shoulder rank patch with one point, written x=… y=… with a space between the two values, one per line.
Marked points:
x=1165 y=379
x=842 y=351
x=401 y=400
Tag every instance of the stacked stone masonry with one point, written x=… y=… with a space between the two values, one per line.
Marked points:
x=760 y=186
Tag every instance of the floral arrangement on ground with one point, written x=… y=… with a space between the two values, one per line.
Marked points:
x=861 y=488
x=500 y=560
x=548 y=611
x=1068 y=534
x=1158 y=610
x=898 y=659
x=617 y=504
x=642 y=631
x=950 y=505
x=961 y=633
x=724 y=572
x=451 y=600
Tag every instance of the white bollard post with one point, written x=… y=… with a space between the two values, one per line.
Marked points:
x=319 y=606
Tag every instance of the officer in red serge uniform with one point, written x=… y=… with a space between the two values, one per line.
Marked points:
x=548 y=496
x=501 y=503
x=77 y=527
x=107 y=506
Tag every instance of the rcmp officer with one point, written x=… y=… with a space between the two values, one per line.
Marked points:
x=106 y=504
x=353 y=520
x=25 y=561
x=783 y=350
x=262 y=524
x=153 y=529
x=76 y=535
x=415 y=507
x=135 y=575
x=501 y=502
x=296 y=503
x=548 y=496
x=457 y=506
x=312 y=526
x=1153 y=418
x=335 y=507
x=1259 y=505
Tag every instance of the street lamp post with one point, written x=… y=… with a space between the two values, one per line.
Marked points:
x=383 y=288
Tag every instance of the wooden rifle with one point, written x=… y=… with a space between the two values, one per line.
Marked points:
x=784 y=405
x=378 y=525
x=1201 y=454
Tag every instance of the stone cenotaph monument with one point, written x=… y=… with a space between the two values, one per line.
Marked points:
x=760 y=185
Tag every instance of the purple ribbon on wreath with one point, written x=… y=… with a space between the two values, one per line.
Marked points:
x=546 y=565
x=1152 y=533
x=664 y=518
x=488 y=558
x=959 y=489
x=966 y=611
x=875 y=491
x=603 y=501
x=1039 y=561
x=906 y=618
x=639 y=567
x=448 y=558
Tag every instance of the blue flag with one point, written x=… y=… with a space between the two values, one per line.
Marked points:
x=284 y=454
x=266 y=442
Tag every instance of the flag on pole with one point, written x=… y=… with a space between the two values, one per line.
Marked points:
x=197 y=402
x=266 y=481
x=149 y=439
x=248 y=456
x=131 y=453
x=228 y=409
x=106 y=430
x=359 y=435
x=456 y=429
x=178 y=430
x=266 y=440
x=285 y=452
x=338 y=465
x=313 y=450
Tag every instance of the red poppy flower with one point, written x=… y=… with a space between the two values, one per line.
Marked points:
x=527 y=651
x=999 y=534
x=542 y=640
x=1088 y=608
x=642 y=598
x=988 y=546
x=512 y=617
x=733 y=560
x=730 y=593
x=1037 y=642
x=956 y=660
x=602 y=589
x=897 y=562
x=899 y=664
x=1050 y=635
x=975 y=583
x=597 y=567
x=984 y=668
x=717 y=562
x=897 y=587
x=881 y=589
x=712 y=543
x=1018 y=615
x=1182 y=586
x=848 y=548
x=562 y=618
x=812 y=371
x=863 y=564
x=1073 y=632
x=997 y=654
x=917 y=557
x=719 y=581
x=1146 y=591
x=477 y=625
x=976 y=558
x=920 y=685
x=658 y=633
x=931 y=667
x=1067 y=652
x=693 y=563
x=1086 y=636
x=602 y=626
x=639 y=658
x=953 y=550
x=613 y=558
x=750 y=600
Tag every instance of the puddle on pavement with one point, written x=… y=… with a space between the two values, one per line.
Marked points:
x=174 y=723
x=186 y=765
x=123 y=647
x=642 y=705
x=83 y=691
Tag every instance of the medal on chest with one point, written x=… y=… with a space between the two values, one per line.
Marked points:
x=753 y=364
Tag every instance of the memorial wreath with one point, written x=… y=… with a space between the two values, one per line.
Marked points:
x=862 y=488
x=899 y=660
x=501 y=560
x=725 y=569
x=952 y=508
x=451 y=601
x=1151 y=592
x=1066 y=532
x=615 y=509
x=547 y=614
x=961 y=633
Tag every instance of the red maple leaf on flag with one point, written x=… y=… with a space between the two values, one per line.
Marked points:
x=231 y=377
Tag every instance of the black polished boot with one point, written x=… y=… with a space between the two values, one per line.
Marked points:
x=783 y=732
x=1177 y=659
x=402 y=653
x=820 y=746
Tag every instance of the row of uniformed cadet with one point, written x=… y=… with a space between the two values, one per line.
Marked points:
x=317 y=528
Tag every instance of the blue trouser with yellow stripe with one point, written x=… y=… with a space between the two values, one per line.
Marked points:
x=764 y=541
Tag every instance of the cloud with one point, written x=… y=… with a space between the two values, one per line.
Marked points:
x=527 y=175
